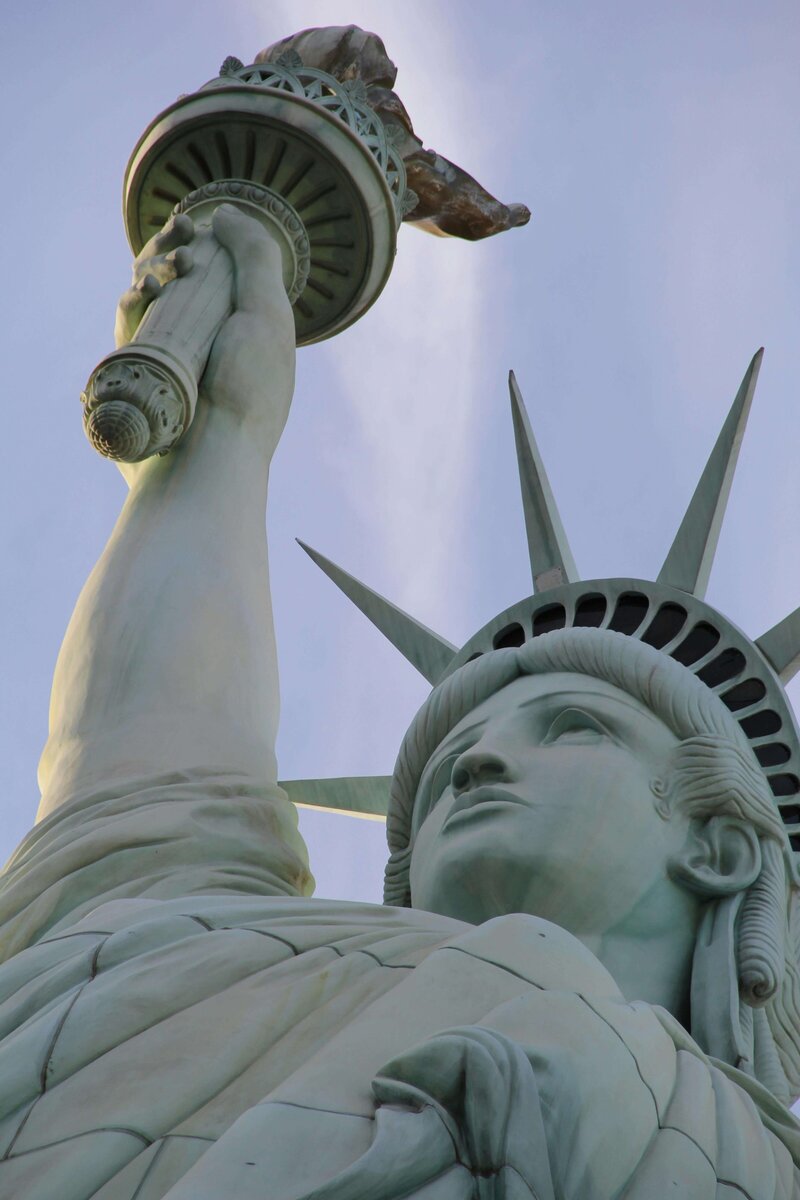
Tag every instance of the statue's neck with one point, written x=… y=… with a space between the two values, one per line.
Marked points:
x=651 y=960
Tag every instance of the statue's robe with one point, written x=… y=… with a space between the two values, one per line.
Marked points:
x=175 y=1021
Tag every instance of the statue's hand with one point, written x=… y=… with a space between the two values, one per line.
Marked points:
x=250 y=371
x=165 y=257
x=249 y=376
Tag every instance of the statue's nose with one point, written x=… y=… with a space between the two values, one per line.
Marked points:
x=477 y=767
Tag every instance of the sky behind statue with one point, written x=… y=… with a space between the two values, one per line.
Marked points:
x=657 y=151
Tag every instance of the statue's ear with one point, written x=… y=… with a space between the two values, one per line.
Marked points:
x=720 y=856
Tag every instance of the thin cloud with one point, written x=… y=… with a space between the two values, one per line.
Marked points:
x=407 y=383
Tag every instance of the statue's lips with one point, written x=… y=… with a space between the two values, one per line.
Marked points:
x=480 y=798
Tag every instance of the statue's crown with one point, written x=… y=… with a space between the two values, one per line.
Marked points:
x=668 y=613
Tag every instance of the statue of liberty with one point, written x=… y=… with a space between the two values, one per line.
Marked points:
x=584 y=981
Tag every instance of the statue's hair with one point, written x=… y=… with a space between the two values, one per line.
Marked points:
x=713 y=771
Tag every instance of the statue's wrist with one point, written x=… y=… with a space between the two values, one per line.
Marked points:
x=240 y=439
x=221 y=446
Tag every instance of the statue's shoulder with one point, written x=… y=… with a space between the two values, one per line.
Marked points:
x=302 y=923
x=539 y=952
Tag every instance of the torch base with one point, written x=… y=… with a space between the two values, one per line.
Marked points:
x=138 y=401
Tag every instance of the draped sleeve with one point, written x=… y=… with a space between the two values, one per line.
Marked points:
x=178 y=834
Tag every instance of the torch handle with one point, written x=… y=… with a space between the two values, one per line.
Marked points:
x=184 y=321
x=141 y=398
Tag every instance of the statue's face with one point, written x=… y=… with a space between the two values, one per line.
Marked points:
x=541 y=801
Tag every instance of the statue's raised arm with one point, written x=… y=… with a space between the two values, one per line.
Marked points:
x=169 y=660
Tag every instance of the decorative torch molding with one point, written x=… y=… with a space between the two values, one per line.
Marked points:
x=345 y=100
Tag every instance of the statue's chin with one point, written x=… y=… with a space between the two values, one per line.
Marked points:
x=469 y=890
x=483 y=862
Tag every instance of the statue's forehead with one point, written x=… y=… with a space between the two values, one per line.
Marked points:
x=548 y=692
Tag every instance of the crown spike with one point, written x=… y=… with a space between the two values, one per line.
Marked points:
x=423 y=648
x=691 y=556
x=781 y=646
x=551 y=558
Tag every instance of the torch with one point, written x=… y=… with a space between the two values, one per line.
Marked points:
x=301 y=152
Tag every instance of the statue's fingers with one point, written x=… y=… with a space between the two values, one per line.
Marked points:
x=178 y=231
x=182 y=259
x=125 y=325
x=176 y=234
x=164 y=267
x=130 y=310
x=132 y=307
x=147 y=289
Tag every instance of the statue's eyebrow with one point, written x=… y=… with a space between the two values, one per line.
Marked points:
x=575 y=699
x=454 y=737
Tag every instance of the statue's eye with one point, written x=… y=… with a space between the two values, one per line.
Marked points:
x=574 y=727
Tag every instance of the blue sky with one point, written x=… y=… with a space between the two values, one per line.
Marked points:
x=657 y=148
